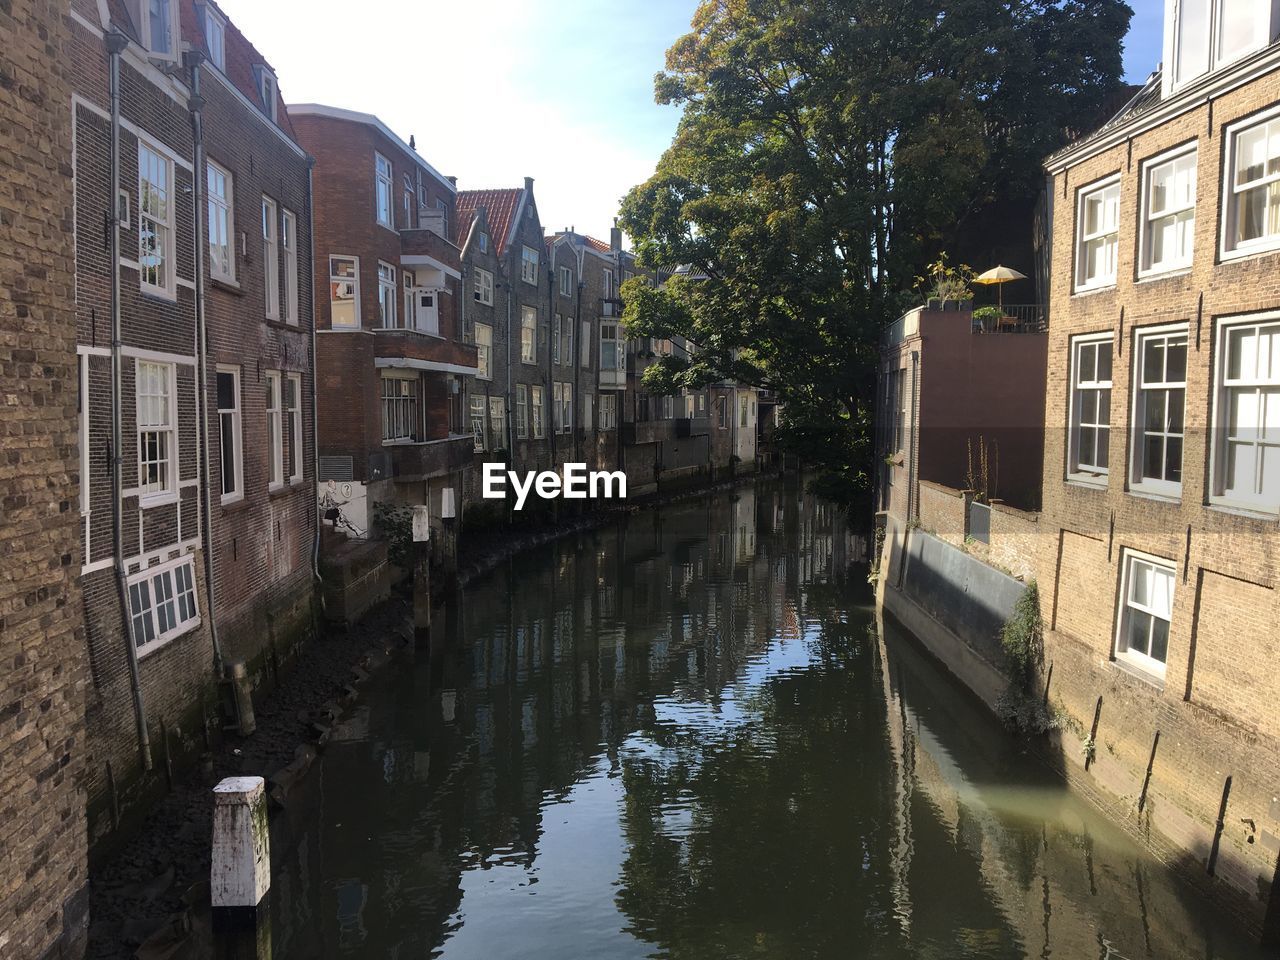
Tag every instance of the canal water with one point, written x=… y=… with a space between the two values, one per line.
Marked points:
x=685 y=736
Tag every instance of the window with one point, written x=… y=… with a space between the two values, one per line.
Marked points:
x=528 y=334
x=484 y=351
x=585 y=348
x=529 y=265
x=567 y=353
x=566 y=282
x=1146 y=610
x=1160 y=391
x=522 y=411
x=722 y=413
x=289 y=240
x=222 y=223
x=1090 y=413
x=613 y=354
x=1169 y=199
x=498 y=422
x=562 y=407
x=555 y=339
x=155 y=222
x=270 y=259
x=444 y=216
x=275 y=432
x=230 y=433
x=386 y=295
x=609 y=292
x=408 y=194
x=215 y=33
x=267 y=89
x=157 y=442
x=1097 y=232
x=1247 y=456
x=608 y=411
x=157 y=22
x=484 y=243
x=399 y=409
x=1252 y=207
x=293 y=407
x=382 y=191
x=477 y=422
x=535 y=410
x=162 y=604
x=900 y=409
x=344 y=293
x=743 y=411
x=484 y=287
x=1211 y=34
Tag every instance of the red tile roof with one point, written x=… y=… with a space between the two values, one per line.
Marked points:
x=598 y=245
x=241 y=56
x=463 y=222
x=500 y=209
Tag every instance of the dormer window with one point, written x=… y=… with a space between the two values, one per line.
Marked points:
x=1206 y=35
x=215 y=38
x=267 y=90
x=157 y=25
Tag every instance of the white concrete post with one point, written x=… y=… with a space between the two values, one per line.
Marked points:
x=241 y=869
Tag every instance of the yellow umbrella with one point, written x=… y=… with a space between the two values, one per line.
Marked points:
x=999 y=275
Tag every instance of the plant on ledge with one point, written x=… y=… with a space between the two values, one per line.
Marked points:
x=945 y=282
x=1018 y=707
x=987 y=318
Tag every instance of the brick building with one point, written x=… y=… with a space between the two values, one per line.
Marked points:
x=193 y=315
x=1160 y=554
x=43 y=675
x=391 y=354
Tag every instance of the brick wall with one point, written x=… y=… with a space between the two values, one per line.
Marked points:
x=1213 y=708
x=43 y=893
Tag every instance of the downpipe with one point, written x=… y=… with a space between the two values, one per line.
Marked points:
x=315 y=418
x=116 y=43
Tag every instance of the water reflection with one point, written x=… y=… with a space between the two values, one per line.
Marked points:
x=680 y=737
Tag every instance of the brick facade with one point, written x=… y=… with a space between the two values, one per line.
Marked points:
x=1211 y=706
x=43 y=876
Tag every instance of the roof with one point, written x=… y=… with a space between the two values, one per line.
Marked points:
x=500 y=208
x=369 y=120
x=462 y=226
x=241 y=57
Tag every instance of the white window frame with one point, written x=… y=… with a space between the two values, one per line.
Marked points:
x=522 y=412
x=236 y=415
x=566 y=411
x=608 y=412
x=618 y=343
x=483 y=240
x=289 y=243
x=1232 y=248
x=1139 y=483
x=215 y=37
x=528 y=334
x=163 y=227
x=537 y=413
x=275 y=432
x=1267 y=393
x=166 y=429
x=268 y=90
x=1159 y=566
x=388 y=294
x=566 y=282
x=383 y=185
x=529 y=265
x=1084 y=284
x=222 y=221
x=271 y=257
x=183 y=596
x=479 y=422
x=1210 y=36
x=484 y=287
x=1091 y=473
x=1183 y=213
x=399 y=407
x=336 y=278
x=297 y=444
x=484 y=351
x=555 y=338
x=609 y=292
x=140 y=11
x=498 y=423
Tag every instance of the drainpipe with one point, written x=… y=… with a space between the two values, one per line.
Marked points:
x=577 y=370
x=551 y=373
x=507 y=402
x=116 y=43
x=315 y=418
x=194 y=58
x=912 y=454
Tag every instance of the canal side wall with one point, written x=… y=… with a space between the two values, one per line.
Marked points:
x=1158 y=769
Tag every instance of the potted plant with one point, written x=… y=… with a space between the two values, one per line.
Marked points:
x=946 y=287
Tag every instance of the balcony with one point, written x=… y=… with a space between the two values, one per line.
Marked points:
x=692 y=427
x=646 y=431
x=610 y=308
x=1010 y=318
x=414 y=462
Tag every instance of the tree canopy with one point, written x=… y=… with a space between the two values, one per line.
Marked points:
x=827 y=151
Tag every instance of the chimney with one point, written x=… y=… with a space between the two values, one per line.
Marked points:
x=615 y=237
x=528 y=184
x=453 y=180
x=413 y=144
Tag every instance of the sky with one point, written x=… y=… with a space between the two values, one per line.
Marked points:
x=497 y=90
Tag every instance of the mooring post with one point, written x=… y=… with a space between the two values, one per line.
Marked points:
x=421 y=571
x=246 y=723
x=240 y=872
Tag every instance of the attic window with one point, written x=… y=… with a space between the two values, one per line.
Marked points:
x=484 y=243
x=268 y=91
x=156 y=22
x=215 y=32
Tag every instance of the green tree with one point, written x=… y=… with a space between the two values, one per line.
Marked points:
x=827 y=150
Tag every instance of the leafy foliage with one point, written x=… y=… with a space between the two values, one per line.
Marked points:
x=828 y=151
x=395 y=524
x=1023 y=635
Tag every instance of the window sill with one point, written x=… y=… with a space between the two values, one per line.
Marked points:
x=235 y=504
x=1242 y=510
x=159 y=296
x=1271 y=246
x=1138 y=673
x=1090 y=481
x=1158 y=496
x=1090 y=291
x=147 y=649
x=344 y=330
x=277 y=490
x=229 y=286
x=1150 y=276
x=162 y=500
x=284 y=325
x=420 y=333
